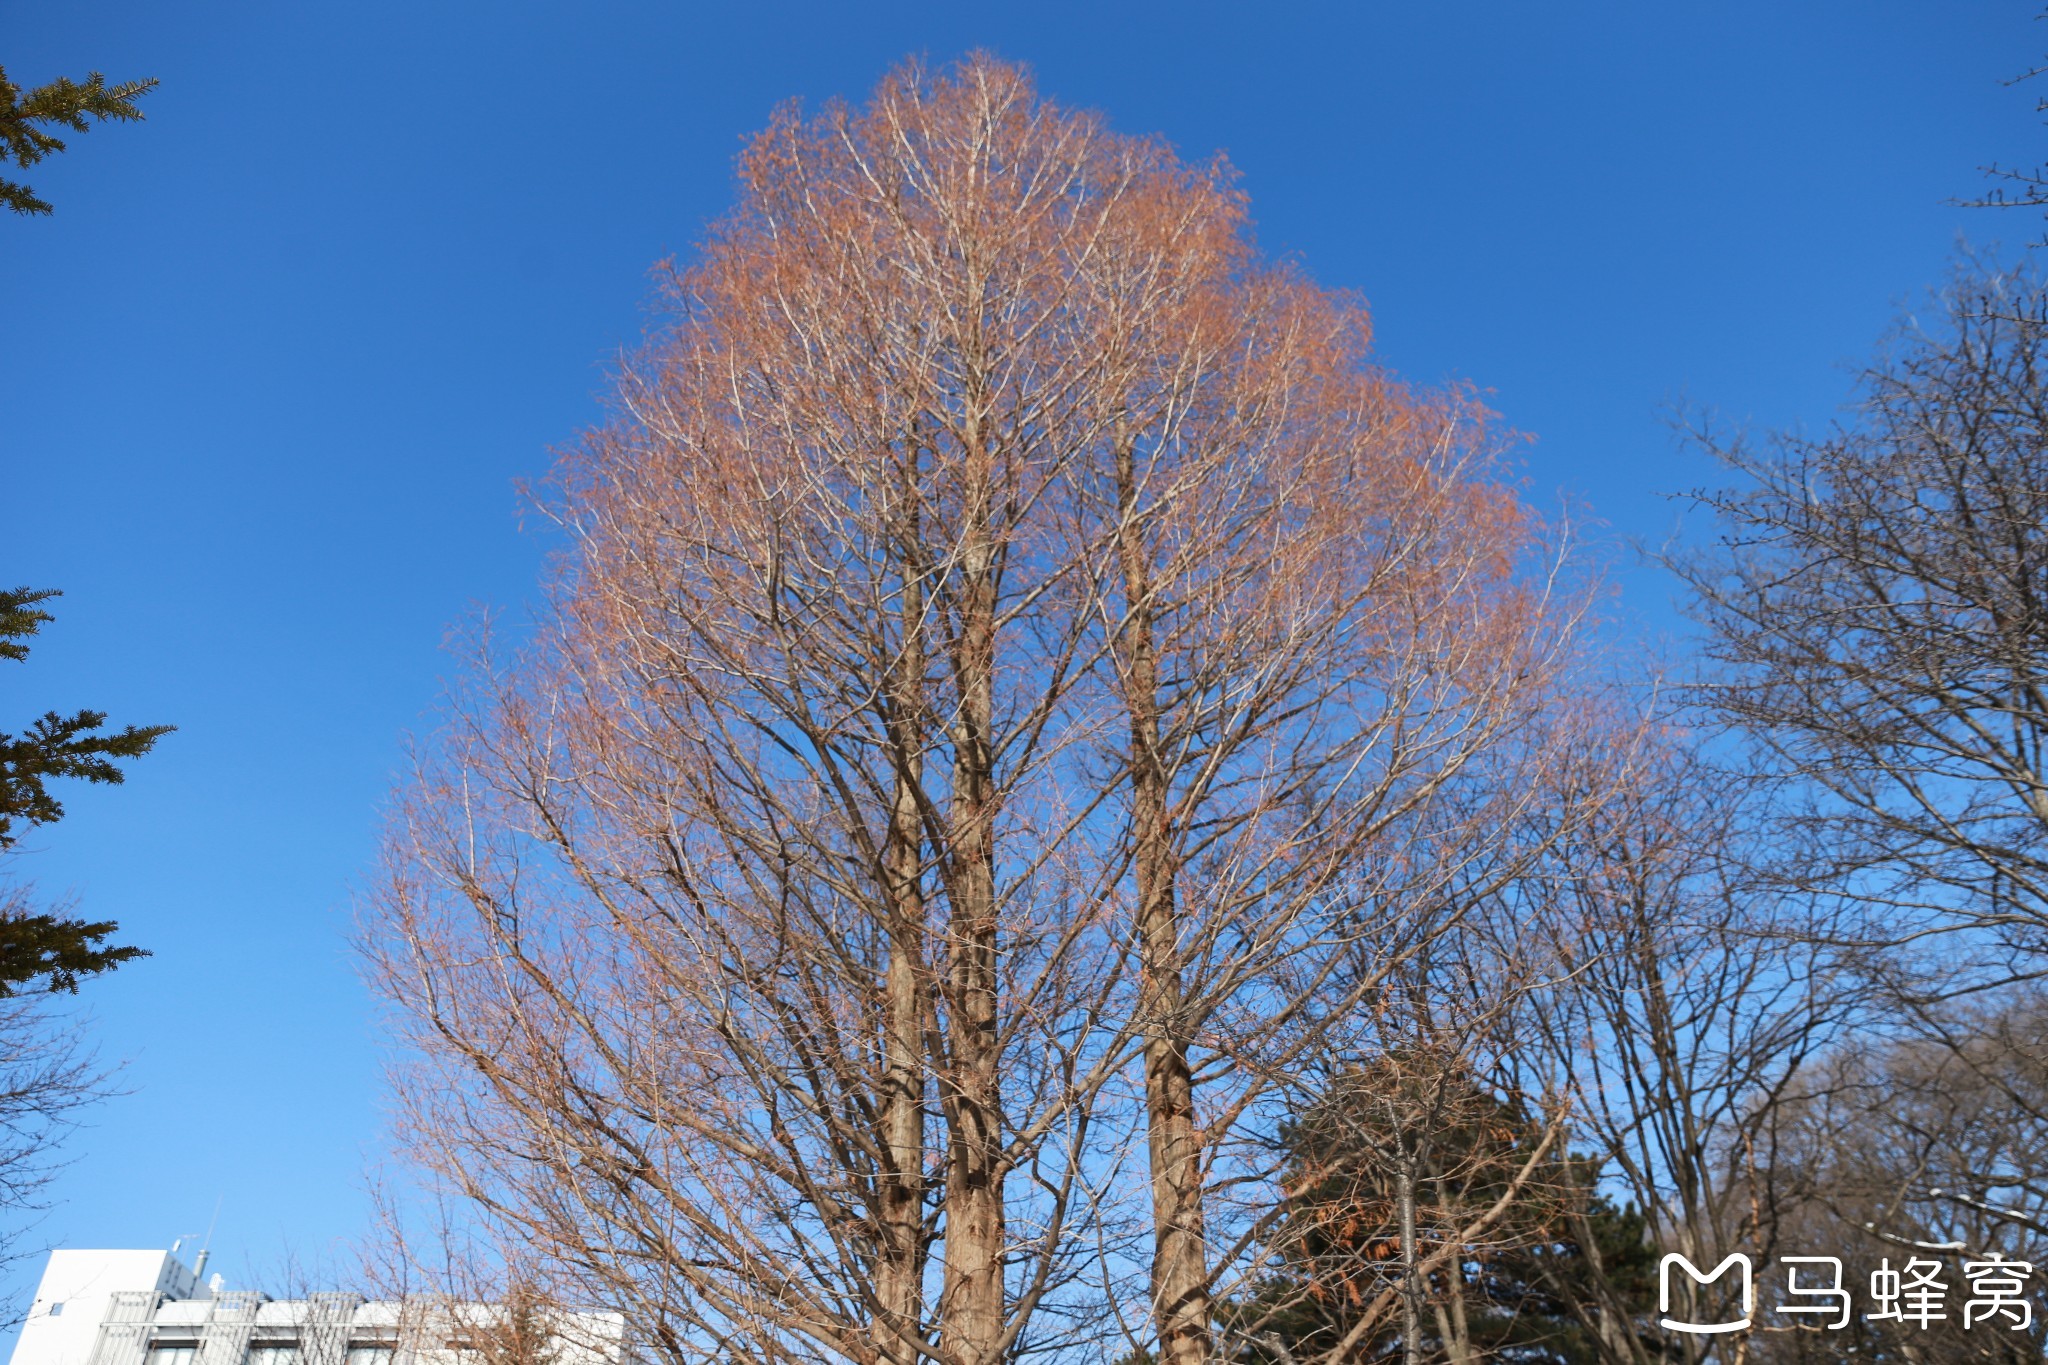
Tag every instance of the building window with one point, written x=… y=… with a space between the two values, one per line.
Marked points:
x=173 y=1353
x=369 y=1353
x=274 y=1353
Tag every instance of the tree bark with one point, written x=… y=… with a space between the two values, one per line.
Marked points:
x=1411 y=1317
x=1180 y=1275
x=971 y=1079
x=1456 y=1328
x=899 y=1273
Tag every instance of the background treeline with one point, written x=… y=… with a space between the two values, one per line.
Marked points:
x=1055 y=809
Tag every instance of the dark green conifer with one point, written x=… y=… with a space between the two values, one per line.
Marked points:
x=1531 y=1292
x=26 y=117
x=46 y=951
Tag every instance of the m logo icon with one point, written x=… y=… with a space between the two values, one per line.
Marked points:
x=1735 y=1258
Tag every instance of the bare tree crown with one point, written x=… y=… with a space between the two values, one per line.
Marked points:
x=1880 y=612
x=1017 y=672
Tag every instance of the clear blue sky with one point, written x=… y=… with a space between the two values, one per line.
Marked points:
x=277 y=361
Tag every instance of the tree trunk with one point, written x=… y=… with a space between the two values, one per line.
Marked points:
x=1411 y=1316
x=972 y=1297
x=1180 y=1276
x=899 y=1272
x=1456 y=1330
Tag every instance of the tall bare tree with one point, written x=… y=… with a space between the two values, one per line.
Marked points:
x=1011 y=641
x=1337 y=662
x=1673 y=998
x=1878 y=609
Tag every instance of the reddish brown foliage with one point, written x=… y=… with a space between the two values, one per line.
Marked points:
x=1011 y=634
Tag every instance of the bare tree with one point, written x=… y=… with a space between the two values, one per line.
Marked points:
x=1877 y=613
x=1673 y=999
x=1928 y=1149
x=48 y=1077
x=1340 y=670
x=1878 y=610
x=1010 y=637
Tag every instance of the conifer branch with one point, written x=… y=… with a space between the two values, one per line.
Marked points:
x=26 y=117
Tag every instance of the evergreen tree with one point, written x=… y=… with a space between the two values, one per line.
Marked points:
x=47 y=951
x=1530 y=1289
x=26 y=117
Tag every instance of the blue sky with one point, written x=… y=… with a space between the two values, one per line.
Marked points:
x=280 y=356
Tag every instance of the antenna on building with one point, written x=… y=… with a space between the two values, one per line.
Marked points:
x=206 y=1247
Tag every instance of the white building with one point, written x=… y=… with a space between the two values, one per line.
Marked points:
x=149 y=1308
